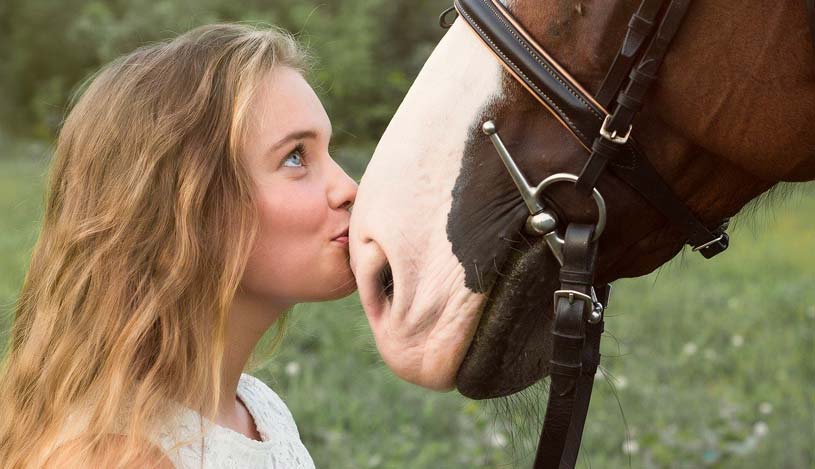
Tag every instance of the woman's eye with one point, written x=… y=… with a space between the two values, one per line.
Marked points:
x=294 y=160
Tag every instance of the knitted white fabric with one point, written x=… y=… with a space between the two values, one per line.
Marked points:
x=223 y=448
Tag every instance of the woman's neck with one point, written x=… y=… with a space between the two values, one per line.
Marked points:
x=249 y=318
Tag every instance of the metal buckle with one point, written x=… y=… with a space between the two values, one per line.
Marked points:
x=594 y=307
x=597 y=307
x=444 y=21
x=612 y=136
x=571 y=295
x=709 y=243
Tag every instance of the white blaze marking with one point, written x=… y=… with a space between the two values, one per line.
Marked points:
x=403 y=202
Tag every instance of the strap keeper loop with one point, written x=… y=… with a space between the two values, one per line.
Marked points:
x=580 y=278
x=570 y=371
x=641 y=77
x=630 y=102
x=639 y=24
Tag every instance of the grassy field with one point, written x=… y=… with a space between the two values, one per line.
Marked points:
x=706 y=363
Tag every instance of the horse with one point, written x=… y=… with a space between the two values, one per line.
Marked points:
x=457 y=289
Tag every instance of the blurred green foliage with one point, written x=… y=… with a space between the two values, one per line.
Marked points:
x=368 y=52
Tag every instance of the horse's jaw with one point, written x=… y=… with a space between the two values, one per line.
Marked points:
x=512 y=345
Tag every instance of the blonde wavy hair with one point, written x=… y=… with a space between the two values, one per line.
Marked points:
x=148 y=224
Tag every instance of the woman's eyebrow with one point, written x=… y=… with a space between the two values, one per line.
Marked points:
x=296 y=135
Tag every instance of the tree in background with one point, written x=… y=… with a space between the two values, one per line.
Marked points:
x=368 y=52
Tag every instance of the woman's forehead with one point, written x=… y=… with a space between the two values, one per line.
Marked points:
x=286 y=103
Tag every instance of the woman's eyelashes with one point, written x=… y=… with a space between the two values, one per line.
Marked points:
x=297 y=158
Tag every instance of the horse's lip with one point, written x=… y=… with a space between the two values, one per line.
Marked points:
x=509 y=351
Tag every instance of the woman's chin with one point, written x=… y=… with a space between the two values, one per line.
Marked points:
x=349 y=287
x=339 y=287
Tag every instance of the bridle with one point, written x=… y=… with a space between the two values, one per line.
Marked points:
x=602 y=125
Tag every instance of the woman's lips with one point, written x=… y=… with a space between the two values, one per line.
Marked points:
x=341 y=238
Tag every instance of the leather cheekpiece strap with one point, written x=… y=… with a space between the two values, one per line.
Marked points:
x=640 y=28
x=602 y=151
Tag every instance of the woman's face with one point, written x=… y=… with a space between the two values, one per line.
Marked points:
x=303 y=196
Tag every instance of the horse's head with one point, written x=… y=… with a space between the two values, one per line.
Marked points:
x=455 y=291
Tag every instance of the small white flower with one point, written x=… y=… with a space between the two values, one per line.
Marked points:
x=332 y=437
x=631 y=447
x=498 y=440
x=375 y=460
x=725 y=412
x=737 y=341
x=689 y=349
x=765 y=408
x=292 y=368
x=760 y=429
x=621 y=382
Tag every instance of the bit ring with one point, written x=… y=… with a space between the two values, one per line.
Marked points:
x=595 y=194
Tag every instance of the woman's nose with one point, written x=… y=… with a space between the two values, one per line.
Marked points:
x=342 y=189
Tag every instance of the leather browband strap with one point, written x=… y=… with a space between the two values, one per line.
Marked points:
x=581 y=114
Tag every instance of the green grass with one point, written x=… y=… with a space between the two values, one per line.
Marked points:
x=713 y=362
x=21 y=200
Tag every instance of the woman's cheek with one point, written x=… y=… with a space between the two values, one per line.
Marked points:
x=292 y=230
x=296 y=210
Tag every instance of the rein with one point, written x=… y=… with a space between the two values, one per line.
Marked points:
x=602 y=125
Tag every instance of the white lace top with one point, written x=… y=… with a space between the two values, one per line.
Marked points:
x=223 y=448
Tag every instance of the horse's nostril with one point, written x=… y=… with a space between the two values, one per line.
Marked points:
x=386 y=281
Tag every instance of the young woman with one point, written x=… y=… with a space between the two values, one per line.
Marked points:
x=192 y=201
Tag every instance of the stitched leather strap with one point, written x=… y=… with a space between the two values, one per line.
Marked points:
x=533 y=68
x=575 y=354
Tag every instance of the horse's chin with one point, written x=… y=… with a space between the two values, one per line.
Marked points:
x=511 y=347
